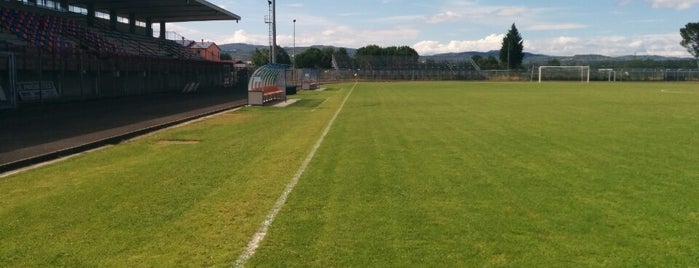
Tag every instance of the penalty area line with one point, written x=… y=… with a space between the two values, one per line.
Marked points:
x=262 y=232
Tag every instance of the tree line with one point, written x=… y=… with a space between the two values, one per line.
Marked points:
x=510 y=57
x=368 y=57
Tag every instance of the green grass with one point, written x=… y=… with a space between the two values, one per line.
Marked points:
x=471 y=174
x=439 y=174
x=153 y=202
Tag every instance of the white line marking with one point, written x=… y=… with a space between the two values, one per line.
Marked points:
x=677 y=92
x=262 y=232
x=316 y=108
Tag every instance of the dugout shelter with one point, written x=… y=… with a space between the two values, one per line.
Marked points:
x=269 y=83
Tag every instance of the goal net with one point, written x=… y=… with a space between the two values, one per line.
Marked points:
x=564 y=73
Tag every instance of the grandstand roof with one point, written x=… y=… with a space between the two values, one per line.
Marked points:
x=161 y=10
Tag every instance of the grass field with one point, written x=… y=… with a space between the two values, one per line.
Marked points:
x=438 y=174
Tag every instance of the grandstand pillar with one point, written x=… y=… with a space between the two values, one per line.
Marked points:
x=132 y=22
x=112 y=19
x=149 y=27
x=64 y=5
x=162 y=30
x=91 y=13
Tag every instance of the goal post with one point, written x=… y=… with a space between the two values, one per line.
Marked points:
x=565 y=73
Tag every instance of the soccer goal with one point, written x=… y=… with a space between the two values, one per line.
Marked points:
x=564 y=73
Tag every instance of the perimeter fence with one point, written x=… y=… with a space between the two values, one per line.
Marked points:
x=412 y=68
x=436 y=74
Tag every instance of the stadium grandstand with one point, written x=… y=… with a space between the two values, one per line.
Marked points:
x=79 y=74
x=65 y=50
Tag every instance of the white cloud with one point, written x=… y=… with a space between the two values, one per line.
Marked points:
x=399 y=20
x=352 y=14
x=659 y=44
x=461 y=25
x=242 y=36
x=351 y=37
x=512 y=12
x=623 y=2
x=674 y=4
x=490 y=42
x=444 y=17
x=555 y=26
x=345 y=36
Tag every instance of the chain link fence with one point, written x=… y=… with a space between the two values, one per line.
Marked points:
x=437 y=74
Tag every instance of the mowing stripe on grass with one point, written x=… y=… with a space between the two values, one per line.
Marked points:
x=262 y=232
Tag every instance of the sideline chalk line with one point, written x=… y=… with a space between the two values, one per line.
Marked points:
x=677 y=91
x=262 y=232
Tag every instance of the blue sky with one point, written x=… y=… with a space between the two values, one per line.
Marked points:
x=611 y=27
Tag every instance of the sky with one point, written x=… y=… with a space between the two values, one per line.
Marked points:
x=559 y=28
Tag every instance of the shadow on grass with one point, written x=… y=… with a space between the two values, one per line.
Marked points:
x=307 y=103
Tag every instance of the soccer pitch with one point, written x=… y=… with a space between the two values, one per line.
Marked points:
x=436 y=174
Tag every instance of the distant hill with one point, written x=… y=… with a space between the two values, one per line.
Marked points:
x=240 y=51
x=541 y=59
x=469 y=54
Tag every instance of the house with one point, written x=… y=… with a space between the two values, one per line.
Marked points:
x=207 y=50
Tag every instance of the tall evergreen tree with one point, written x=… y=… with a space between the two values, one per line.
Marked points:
x=690 y=39
x=512 y=51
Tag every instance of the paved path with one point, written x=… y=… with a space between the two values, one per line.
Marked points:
x=36 y=133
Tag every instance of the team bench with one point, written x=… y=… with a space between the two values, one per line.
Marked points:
x=262 y=95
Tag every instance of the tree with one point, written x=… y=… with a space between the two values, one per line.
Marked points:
x=512 y=51
x=375 y=57
x=311 y=58
x=225 y=56
x=368 y=57
x=553 y=62
x=342 y=58
x=282 y=56
x=489 y=63
x=326 y=60
x=261 y=56
x=690 y=39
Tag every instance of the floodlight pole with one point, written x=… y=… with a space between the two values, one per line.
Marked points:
x=293 y=52
x=274 y=31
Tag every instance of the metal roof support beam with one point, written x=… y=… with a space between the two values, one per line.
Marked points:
x=162 y=30
x=158 y=10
